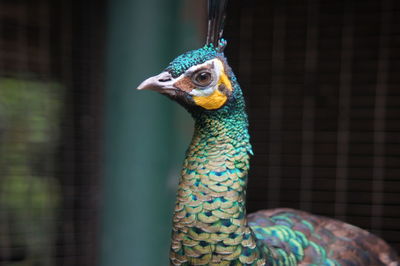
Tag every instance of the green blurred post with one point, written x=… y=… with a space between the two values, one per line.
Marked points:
x=140 y=136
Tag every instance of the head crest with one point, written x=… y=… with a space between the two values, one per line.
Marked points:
x=216 y=19
x=219 y=48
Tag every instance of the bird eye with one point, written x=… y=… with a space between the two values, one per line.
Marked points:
x=202 y=78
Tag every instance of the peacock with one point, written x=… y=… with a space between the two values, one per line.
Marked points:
x=210 y=226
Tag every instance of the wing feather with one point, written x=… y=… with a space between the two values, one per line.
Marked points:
x=320 y=240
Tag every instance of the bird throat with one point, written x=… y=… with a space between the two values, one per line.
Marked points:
x=209 y=222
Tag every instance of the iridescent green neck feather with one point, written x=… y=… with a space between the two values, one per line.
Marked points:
x=209 y=224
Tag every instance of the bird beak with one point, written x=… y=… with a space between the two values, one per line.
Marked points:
x=163 y=83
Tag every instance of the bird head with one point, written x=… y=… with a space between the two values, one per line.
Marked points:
x=200 y=80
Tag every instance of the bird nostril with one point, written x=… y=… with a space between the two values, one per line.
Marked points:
x=164 y=79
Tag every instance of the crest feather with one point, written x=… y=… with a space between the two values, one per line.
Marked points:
x=216 y=19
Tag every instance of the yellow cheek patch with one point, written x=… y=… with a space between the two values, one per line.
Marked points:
x=211 y=102
x=217 y=98
x=225 y=80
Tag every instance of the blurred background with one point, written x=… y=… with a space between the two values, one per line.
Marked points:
x=89 y=166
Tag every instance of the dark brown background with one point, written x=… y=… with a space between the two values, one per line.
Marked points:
x=322 y=86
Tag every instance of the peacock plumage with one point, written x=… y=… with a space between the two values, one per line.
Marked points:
x=210 y=226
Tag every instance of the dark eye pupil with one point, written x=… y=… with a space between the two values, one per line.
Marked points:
x=203 y=78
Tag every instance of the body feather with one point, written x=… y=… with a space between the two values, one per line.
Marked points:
x=318 y=240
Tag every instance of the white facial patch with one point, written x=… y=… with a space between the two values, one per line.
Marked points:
x=216 y=68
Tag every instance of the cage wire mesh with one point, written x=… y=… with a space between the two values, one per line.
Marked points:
x=49 y=119
x=322 y=87
x=322 y=83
